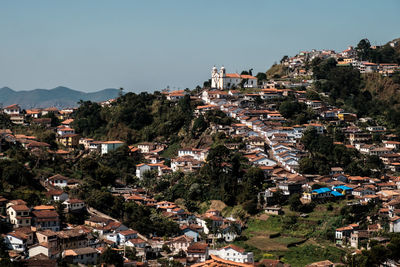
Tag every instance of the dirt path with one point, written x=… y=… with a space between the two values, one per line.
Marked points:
x=93 y=211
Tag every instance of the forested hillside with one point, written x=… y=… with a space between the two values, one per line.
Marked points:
x=134 y=118
x=364 y=94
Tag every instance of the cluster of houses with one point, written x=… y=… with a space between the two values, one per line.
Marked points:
x=208 y=227
x=260 y=127
x=274 y=146
x=297 y=65
x=38 y=237
x=35 y=116
x=66 y=137
x=37 y=231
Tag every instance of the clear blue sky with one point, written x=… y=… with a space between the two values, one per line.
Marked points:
x=144 y=45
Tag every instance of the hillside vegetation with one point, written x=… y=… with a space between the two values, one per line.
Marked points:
x=134 y=118
x=386 y=89
x=276 y=71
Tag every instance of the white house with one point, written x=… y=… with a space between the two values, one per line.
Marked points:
x=142 y=168
x=223 y=80
x=109 y=146
x=198 y=252
x=377 y=128
x=19 y=215
x=146 y=147
x=95 y=146
x=176 y=95
x=84 y=256
x=126 y=235
x=228 y=232
x=394 y=225
x=199 y=154
x=136 y=242
x=122 y=236
x=317 y=126
x=12 y=110
x=234 y=253
x=180 y=243
x=58 y=195
x=192 y=233
x=342 y=234
x=74 y=204
x=185 y=164
x=216 y=222
x=15 y=242
x=392 y=144
x=85 y=142
x=264 y=161
x=58 y=180
x=64 y=130
x=45 y=249
x=19 y=239
x=314 y=104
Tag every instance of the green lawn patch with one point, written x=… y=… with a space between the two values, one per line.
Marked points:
x=307 y=253
x=314 y=231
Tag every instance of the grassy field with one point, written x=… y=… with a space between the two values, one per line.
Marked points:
x=300 y=240
x=265 y=243
x=308 y=253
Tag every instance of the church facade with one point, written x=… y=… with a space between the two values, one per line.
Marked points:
x=222 y=80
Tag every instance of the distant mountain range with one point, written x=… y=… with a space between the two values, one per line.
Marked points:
x=60 y=97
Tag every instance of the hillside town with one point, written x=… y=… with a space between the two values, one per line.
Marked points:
x=260 y=130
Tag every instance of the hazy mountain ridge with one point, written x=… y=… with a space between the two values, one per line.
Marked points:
x=60 y=97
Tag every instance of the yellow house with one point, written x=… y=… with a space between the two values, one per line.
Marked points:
x=347 y=117
x=69 y=140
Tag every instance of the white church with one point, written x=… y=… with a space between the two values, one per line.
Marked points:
x=222 y=80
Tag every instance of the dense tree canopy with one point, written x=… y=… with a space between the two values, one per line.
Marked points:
x=296 y=111
x=134 y=118
x=324 y=154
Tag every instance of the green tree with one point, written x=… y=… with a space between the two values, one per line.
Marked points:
x=55 y=121
x=313 y=95
x=48 y=137
x=5 y=121
x=105 y=175
x=111 y=256
x=199 y=126
x=294 y=202
x=88 y=120
x=60 y=209
x=364 y=49
x=261 y=76
x=130 y=253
